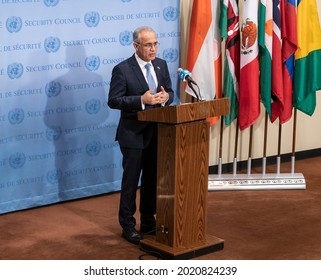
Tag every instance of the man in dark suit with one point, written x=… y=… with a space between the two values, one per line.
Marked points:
x=135 y=87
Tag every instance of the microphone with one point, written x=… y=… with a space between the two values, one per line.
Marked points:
x=185 y=75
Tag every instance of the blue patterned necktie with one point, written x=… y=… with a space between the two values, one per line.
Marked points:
x=150 y=79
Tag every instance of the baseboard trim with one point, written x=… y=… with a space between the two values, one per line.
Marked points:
x=242 y=165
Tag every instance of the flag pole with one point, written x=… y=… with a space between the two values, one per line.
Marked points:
x=293 y=142
x=220 y=149
x=250 y=152
x=235 y=148
x=265 y=144
x=278 y=164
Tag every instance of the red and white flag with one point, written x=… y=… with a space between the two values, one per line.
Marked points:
x=249 y=96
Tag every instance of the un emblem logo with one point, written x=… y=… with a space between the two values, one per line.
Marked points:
x=52 y=44
x=54 y=176
x=92 y=63
x=53 y=133
x=93 y=148
x=53 y=89
x=51 y=3
x=93 y=106
x=17 y=160
x=126 y=38
x=15 y=70
x=16 y=116
x=14 y=24
x=170 y=55
x=92 y=19
x=170 y=13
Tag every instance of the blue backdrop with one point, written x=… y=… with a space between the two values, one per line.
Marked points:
x=56 y=57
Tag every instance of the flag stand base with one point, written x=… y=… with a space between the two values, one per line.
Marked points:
x=285 y=181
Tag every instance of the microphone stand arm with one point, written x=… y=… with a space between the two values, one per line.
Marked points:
x=197 y=94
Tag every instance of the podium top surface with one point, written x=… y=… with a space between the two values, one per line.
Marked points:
x=186 y=112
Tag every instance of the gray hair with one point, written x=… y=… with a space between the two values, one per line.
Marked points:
x=137 y=32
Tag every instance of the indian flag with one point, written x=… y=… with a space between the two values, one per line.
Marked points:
x=204 y=49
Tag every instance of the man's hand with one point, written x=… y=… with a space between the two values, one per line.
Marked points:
x=157 y=98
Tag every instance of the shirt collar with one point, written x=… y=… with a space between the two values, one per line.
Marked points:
x=141 y=62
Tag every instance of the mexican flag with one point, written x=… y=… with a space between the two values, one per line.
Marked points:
x=249 y=101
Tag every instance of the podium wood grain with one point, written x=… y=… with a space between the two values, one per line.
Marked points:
x=186 y=112
x=182 y=179
x=182 y=183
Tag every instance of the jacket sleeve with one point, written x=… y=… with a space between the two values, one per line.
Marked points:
x=123 y=94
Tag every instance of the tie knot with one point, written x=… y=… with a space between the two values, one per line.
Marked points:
x=147 y=66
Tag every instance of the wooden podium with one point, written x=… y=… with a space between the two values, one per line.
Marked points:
x=182 y=179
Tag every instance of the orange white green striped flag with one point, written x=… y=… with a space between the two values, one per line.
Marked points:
x=204 y=50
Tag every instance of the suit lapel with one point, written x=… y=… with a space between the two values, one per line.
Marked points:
x=138 y=72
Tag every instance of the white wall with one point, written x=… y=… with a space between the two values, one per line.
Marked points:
x=308 y=132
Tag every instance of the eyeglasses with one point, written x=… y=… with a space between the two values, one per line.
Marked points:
x=149 y=45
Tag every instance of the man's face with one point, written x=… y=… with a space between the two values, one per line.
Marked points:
x=146 y=49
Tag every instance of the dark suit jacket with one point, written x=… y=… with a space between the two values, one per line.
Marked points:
x=127 y=86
